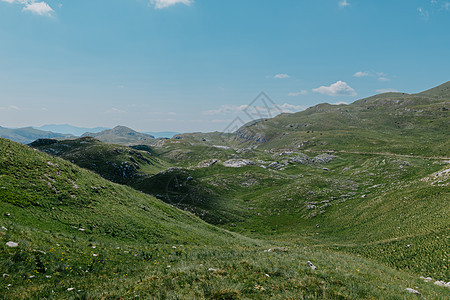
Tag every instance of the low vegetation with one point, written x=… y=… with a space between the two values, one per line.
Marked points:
x=353 y=208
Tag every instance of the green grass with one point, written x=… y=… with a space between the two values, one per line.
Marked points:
x=373 y=218
x=120 y=164
x=147 y=248
x=47 y=265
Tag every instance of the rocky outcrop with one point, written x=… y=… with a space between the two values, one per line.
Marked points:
x=237 y=163
x=250 y=135
x=207 y=163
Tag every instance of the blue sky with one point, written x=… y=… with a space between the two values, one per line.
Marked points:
x=193 y=65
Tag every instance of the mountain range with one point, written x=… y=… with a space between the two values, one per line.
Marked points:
x=29 y=134
x=69 y=129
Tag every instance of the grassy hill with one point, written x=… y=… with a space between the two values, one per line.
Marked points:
x=81 y=236
x=354 y=197
x=393 y=122
x=121 y=135
x=120 y=164
x=28 y=134
x=362 y=191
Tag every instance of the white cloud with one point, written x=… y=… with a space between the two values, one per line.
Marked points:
x=281 y=76
x=340 y=103
x=362 y=74
x=11 y=107
x=159 y=4
x=339 y=88
x=381 y=76
x=446 y=6
x=294 y=94
x=386 y=91
x=226 y=109
x=39 y=8
x=290 y=108
x=344 y=3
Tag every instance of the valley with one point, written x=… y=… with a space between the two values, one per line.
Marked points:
x=361 y=191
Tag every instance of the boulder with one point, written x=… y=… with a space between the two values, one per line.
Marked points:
x=207 y=163
x=12 y=244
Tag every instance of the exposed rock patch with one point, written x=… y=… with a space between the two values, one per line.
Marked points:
x=238 y=163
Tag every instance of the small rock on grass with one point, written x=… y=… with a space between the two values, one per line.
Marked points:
x=310 y=264
x=413 y=291
x=12 y=244
x=426 y=279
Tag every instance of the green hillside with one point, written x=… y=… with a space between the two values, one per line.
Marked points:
x=393 y=122
x=120 y=164
x=80 y=236
x=362 y=191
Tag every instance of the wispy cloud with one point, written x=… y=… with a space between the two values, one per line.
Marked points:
x=294 y=94
x=236 y=109
x=114 y=110
x=362 y=74
x=290 y=108
x=226 y=109
x=344 y=3
x=386 y=91
x=11 y=107
x=160 y=4
x=380 y=75
x=281 y=76
x=39 y=8
x=340 y=103
x=340 y=88
x=424 y=13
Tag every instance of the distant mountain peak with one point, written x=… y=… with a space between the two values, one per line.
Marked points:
x=120 y=135
x=69 y=129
